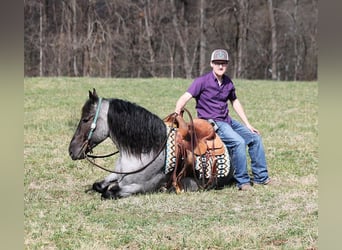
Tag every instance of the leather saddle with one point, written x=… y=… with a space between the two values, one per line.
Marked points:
x=194 y=138
x=201 y=134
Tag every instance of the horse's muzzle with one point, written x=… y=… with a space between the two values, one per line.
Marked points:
x=77 y=156
x=78 y=153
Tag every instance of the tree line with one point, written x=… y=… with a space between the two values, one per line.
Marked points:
x=266 y=39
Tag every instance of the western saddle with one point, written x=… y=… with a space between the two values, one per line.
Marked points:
x=194 y=138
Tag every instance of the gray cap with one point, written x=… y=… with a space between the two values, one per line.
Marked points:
x=219 y=55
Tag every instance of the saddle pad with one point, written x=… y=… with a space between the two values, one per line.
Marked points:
x=205 y=164
x=170 y=159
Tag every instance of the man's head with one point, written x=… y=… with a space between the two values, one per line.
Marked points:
x=219 y=61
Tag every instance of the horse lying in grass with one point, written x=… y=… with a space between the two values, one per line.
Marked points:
x=141 y=137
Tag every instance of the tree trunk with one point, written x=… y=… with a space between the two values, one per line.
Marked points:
x=86 y=50
x=171 y=49
x=296 y=41
x=273 y=40
x=182 y=41
x=203 y=40
x=108 y=44
x=41 y=7
x=242 y=39
x=74 y=37
x=149 y=31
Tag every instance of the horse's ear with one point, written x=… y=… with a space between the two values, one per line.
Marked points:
x=93 y=95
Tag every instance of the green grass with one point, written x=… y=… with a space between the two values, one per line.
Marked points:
x=60 y=215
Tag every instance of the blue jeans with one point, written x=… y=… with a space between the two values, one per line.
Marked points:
x=236 y=137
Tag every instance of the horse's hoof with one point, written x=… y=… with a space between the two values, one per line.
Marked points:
x=97 y=186
x=107 y=195
x=189 y=184
x=162 y=189
x=111 y=191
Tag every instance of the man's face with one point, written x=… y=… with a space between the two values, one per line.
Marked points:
x=219 y=67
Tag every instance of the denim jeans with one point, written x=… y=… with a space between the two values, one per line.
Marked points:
x=236 y=137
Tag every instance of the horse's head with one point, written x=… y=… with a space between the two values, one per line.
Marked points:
x=92 y=128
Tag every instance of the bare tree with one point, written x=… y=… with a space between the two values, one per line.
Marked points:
x=171 y=49
x=241 y=65
x=74 y=36
x=41 y=18
x=203 y=39
x=149 y=32
x=274 y=45
x=183 y=38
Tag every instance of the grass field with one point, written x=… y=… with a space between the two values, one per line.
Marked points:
x=60 y=215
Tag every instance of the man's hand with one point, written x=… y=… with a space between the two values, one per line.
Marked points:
x=251 y=128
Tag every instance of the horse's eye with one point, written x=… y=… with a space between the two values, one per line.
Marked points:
x=85 y=120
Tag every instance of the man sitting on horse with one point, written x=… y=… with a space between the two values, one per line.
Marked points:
x=212 y=92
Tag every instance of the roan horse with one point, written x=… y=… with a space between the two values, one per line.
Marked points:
x=140 y=137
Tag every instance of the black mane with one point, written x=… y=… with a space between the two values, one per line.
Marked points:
x=135 y=129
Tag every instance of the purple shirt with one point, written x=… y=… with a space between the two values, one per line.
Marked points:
x=212 y=99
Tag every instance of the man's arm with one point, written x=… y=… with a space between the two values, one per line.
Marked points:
x=240 y=111
x=182 y=102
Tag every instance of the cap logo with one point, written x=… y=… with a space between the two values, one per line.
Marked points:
x=219 y=55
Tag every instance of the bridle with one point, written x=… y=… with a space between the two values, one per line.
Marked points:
x=90 y=134
x=93 y=124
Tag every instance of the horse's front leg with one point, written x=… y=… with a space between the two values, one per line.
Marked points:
x=102 y=186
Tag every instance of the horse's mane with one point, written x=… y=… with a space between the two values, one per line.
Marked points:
x=135 y=129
